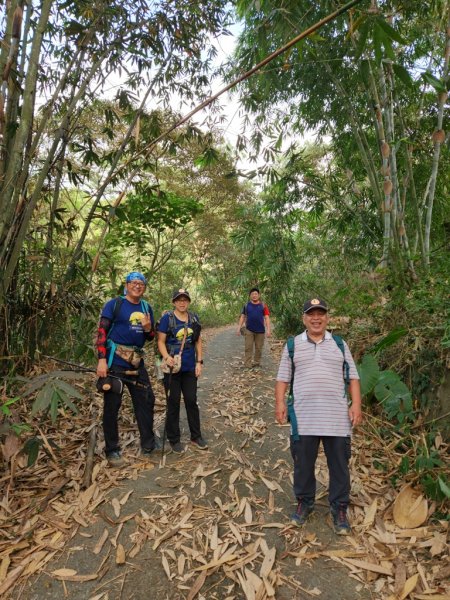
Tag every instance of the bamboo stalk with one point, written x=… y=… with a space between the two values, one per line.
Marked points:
x=26 y=121
x=437 y=142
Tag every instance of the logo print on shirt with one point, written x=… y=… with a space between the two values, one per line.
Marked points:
x=180 y=333
x=135 y=320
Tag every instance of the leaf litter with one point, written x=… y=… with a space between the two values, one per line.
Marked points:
x=221 y=531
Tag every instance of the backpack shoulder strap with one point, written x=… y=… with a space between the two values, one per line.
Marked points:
x=290 y=343
x=146 y=308
x=110 y=344
x=172 y=323
x=345 y=366
x=291 y=349
x=117 y=305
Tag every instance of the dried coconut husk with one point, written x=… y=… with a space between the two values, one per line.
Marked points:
x=410 y=508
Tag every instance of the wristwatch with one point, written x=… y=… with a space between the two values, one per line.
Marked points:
x=200 y=362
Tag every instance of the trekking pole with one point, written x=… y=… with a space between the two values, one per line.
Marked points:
x=167 y=393
x=114 y=374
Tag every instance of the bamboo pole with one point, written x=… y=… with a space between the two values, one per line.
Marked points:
x=438 y=139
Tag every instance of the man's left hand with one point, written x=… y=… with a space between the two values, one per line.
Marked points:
x=355 y=414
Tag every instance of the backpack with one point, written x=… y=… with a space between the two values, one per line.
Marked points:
x=193 y=322
x=145 y=308
x=290 y=400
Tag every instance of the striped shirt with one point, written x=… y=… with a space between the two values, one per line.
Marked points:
x=320 y=403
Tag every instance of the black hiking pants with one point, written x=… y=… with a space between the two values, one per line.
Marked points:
x=183 y=382
x=337 y=451
x=143 y=404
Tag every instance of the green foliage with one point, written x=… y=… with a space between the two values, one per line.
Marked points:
x=387 y=388
x=150 y=208
x=6 y=425
x=31 y=449
x=388 y=340
x=52 y=393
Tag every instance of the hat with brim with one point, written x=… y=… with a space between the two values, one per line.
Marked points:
x=315 y=303
x=178 y=293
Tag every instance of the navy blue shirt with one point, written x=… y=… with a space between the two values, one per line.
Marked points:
x=255 y=316
x=175 y=338
x=126 y=328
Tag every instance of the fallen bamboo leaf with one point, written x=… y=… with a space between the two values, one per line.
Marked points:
x=86 y=496
x=366 y=566
x=180 y=564
x=408 y=587
x=124 y=499
x=248 y=516
x=270 y=590
x=217 y=563
x=198 y=584
x=11 y=579
x=120 y=555
x=99 y=545
x=168 y=534
x=370 y=514
x=82 y=578
x=267 y=563
x=4 y=568
x=236 y=532
x=165 y=564
x=64 y=572
x=269 y=484
x=116 y=506
x=234 y=475
x=213 y=542
x=432 y=596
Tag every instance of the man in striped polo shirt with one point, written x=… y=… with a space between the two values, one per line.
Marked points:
x=320 y=411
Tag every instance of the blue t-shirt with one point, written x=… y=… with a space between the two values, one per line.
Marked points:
x=175 y=338
x=255 y=316
x=126 y=328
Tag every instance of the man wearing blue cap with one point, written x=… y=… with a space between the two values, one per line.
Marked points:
x=125 y=325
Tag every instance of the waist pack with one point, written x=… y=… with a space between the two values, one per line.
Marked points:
x=131 y=354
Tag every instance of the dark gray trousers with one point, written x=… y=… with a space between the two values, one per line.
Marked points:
x=337 y=451
x=143 y=403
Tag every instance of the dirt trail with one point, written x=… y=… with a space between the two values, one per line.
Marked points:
x=207 y=519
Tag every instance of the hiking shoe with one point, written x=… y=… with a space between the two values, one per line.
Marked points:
x=177 y=447
x=341 y=525
x=200 y=444
x=115 y=459
x=304 y=509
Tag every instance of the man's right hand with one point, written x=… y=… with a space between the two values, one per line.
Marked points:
x=280 y=413
x=102 y=368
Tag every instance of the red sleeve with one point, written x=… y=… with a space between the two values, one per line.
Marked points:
x=102 y=332
x=266 y=310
